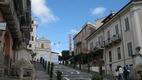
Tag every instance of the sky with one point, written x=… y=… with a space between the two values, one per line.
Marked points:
x=58 y=18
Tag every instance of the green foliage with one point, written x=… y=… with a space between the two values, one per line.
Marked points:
x=65 y=56
x=59 y=75
x=96 y=77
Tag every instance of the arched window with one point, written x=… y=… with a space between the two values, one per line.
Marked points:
x=42 y=45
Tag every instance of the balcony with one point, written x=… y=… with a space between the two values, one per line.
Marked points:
x=116 y=38
x=108 y=42
x=100 y=44
x=99 y=47
x=9 y=12
x=78 y=43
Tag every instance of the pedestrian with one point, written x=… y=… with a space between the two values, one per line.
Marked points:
x=116 y=74
x=126 y=73
x=120 y=73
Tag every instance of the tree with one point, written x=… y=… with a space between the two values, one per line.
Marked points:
x=60 y=59
x=65 y=56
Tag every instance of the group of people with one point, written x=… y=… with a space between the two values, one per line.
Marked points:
x=124 y=73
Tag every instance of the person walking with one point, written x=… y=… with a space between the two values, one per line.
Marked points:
x=120 y=73
x=126 y=73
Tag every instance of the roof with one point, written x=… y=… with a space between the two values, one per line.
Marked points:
x=43 y=39
x=84 y=26
x=112 y=16
x=55 y=52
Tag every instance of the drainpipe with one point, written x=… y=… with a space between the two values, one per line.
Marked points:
x=104 y=52
x=122 y=39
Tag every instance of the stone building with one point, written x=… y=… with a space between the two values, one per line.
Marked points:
x=33 y=38
x=43 y=48
x=15 y=15
x=118 y=41
x=79 y=39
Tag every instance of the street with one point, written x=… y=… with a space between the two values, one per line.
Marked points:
x=72 y=74
x=40 y=71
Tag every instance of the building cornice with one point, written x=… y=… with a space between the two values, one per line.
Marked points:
x=84 y=26
x=114 y=17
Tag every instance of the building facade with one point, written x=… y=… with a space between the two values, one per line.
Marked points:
x=33 y=38
x=118 y=40
x=79 y=39
x=43 y=48
x=15 y=16
x=54 y=57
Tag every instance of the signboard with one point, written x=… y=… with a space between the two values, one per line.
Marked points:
x=2 y=25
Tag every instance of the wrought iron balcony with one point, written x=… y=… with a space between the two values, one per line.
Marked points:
x=113 y=40
x=100 y=44
x=108 y=42
x=116 y=38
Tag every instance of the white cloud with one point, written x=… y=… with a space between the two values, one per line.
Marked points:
x=41 y=11
x=98 y=11
x=73 y=31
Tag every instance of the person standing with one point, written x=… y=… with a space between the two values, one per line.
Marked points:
x=120 y=73
x=126 y=73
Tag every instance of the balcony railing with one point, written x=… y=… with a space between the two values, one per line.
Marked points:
x=113 y=40
x=99 y=44
x=108 y=42
x=116 y=38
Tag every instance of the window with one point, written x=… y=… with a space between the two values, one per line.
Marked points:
x=100 y=39
x=127 y=26
x=108 y=35
x=119 y=53
x=91 y=46
x=130 y=48
x=42 y=45
x=110 y=56
x=32 y=38
x=30 y=45
x=110 y=65
x=116 y=29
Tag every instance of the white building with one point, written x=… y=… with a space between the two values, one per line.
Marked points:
x=32 y=42
x=54 y=57
x=118 y=41
x=43 y=48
